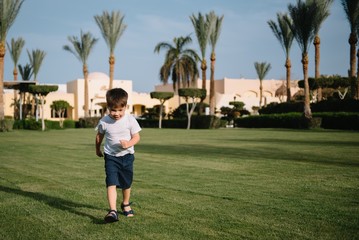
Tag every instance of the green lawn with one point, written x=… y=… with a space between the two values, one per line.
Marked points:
x=196 y=184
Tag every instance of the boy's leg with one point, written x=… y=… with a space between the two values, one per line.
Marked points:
x=126 y=200
x=112 y=197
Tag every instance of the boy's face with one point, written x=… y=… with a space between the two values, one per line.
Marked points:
x=117 y=112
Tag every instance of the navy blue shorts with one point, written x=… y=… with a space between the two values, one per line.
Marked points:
x=119 y=170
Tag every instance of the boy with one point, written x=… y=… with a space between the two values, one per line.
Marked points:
x=121 y=133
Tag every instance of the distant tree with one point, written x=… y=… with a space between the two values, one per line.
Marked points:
x=351 y=8
x=42 y=91
x=323 y=7
x=304 y=16
x=15 y=49
x=8 y=12
x=180 y=62
x=81 y=49
x=36 y=57
x=285 y=37
x=112 y=28
x=25 y=73
x=216 y=25
x=194 y=94
x=163 y=97
x=60 y=107
x=262 y=68
x=202 y=28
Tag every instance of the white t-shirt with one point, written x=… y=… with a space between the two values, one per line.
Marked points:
x=116 y=130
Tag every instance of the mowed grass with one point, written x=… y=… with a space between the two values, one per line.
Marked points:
x=196 y=184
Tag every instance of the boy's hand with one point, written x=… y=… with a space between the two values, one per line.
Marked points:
x=99 y=153
x=125 y=144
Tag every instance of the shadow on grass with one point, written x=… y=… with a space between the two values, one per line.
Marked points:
x=55 y=202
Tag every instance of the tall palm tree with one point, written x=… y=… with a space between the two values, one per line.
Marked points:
x=9 y=9
x=262 y=69
x=351 y=8
x=36 y=57
x=15 y=49
x=180 y=62
x=322 y=14
x=283 y=33
x=216 y=23
x=81 y=49
x=202 y=29
x=112 y=28
x=304 y=16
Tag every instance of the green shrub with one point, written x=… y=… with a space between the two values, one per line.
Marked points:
x=6 y=125
x=90 y=122
x=29 y=124
x=340 y=120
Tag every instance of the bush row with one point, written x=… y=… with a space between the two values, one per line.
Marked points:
x=340 y=120
x=332 y=105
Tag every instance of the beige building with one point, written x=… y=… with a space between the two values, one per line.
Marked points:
x=227 y=90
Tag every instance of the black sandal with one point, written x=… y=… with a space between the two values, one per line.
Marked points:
x=126 y=213
x=111 y=216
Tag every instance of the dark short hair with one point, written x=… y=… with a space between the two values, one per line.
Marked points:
x=116 y=97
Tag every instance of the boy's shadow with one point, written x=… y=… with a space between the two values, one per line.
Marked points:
x=56 y=202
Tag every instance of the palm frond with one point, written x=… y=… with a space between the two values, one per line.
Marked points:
x=262 y=68
x=282 y=31
x=351 y=8
x=15 y=49
x=202 y=29
x=216 y=26
x=112 y=27
x=8 y=12
x=36 y=57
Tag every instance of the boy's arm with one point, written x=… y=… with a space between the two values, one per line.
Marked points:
x=135 y=138
x=99 y=138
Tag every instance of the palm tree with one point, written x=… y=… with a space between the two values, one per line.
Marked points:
x=202 y=29
x=180 y=62
x=262 y=68
x=216 y=23
x=15 y=49
x=112 y=28
x=322 y=14
x=8 y=12
x=304 y=17
x=285 y=37
x=81 y=48
x=351 y=8
x=36 y=57
x=25 y=73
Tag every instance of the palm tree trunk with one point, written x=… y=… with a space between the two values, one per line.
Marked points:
x=204 y=75
x=288 y=66
x=112 y=68
x=356 y=86
x=211 y=90
x=15 y=91
x=353 y=40
x=260 y=93
x=2 y=56
x=42 y=113
x=317 y=63
x=307 y=110
x=86 y=105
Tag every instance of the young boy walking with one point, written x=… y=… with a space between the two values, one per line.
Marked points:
x=121 y=133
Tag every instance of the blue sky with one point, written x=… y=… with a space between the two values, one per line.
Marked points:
x=245 y=38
